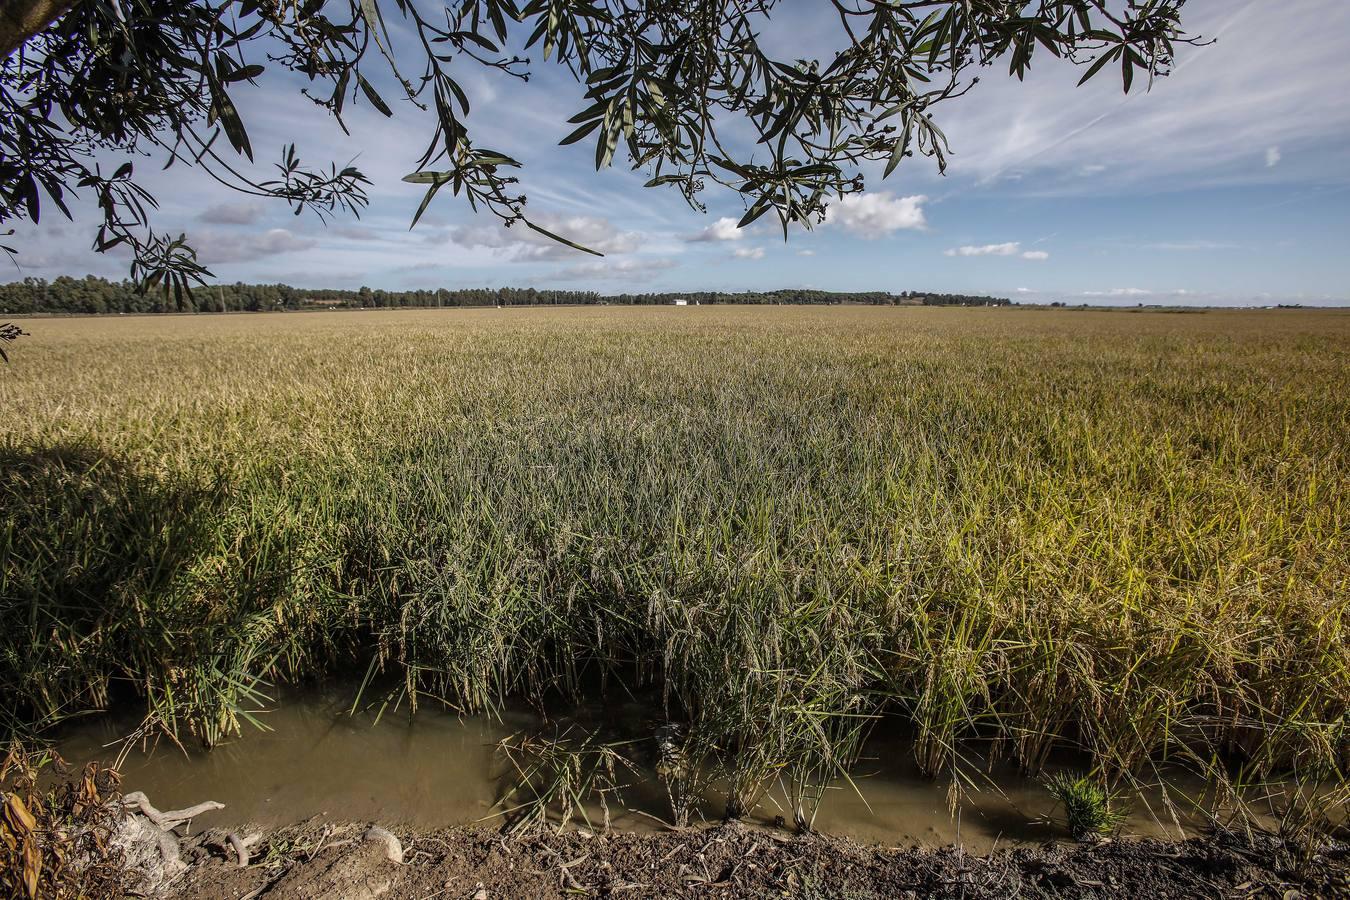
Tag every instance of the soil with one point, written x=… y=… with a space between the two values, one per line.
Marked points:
x=321 y=859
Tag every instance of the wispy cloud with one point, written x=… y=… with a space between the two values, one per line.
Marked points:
x=637 y=270
x=520 y=243
x=245 y=213
x=748 y=253
x=1008 y=249
x=1250 y=98
x=1011 y=248
x=1121 y=292
x=356 y=232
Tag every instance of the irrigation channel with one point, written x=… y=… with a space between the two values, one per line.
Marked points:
x=314 y=756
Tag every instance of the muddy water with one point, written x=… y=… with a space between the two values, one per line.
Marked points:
x=437 y=769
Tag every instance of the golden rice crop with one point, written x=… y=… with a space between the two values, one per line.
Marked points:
x=1125 y=533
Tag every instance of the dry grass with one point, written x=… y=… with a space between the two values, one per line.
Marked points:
x=1121 y=532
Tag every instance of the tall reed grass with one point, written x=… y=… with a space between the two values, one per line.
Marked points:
x=1122 y=533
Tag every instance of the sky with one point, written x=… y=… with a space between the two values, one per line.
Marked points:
x=1227 y=183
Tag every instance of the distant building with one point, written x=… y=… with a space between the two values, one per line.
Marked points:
x=680 y=301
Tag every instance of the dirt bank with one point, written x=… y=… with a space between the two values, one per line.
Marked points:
x=319 y=859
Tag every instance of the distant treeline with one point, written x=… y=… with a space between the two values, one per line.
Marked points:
x=99 y=295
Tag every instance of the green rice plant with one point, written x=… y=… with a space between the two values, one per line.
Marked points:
x=1090 y=810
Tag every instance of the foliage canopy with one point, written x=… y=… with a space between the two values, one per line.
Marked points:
x=672 y=84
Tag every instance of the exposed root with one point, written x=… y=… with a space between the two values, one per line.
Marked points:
x=241 y=846
x=150 y=852
x=172 y=818
x=151 y=834
x=168 y=851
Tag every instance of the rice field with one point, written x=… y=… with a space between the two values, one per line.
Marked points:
x=1119 y=535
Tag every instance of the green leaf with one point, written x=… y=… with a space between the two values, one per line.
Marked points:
x=375 y=99
x=1099 y=65
x=562 y=240
x=234 y=126
x=426 y=201
x=459 y=95
x=244 y=74
x=760 y=207
x=580 y=133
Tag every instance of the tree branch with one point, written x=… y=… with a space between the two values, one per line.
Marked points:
x=22 y=19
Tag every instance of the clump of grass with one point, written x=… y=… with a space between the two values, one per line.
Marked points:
x=682 y=768
x=1090 y=810
x=560 y=774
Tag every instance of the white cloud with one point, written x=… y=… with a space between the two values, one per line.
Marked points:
x=724 y=229
x=636 y=270
x=748 y=253
x=1009 y=249
x=1272 y=157
x=1025 y=290
x=806 y=253
x=232 y=213
x=1036 y=255
x=520 y=243
x=230 y=247
x=875 y=215
x=1121 y=292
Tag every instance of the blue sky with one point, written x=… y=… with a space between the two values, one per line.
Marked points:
x=1227 y=183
